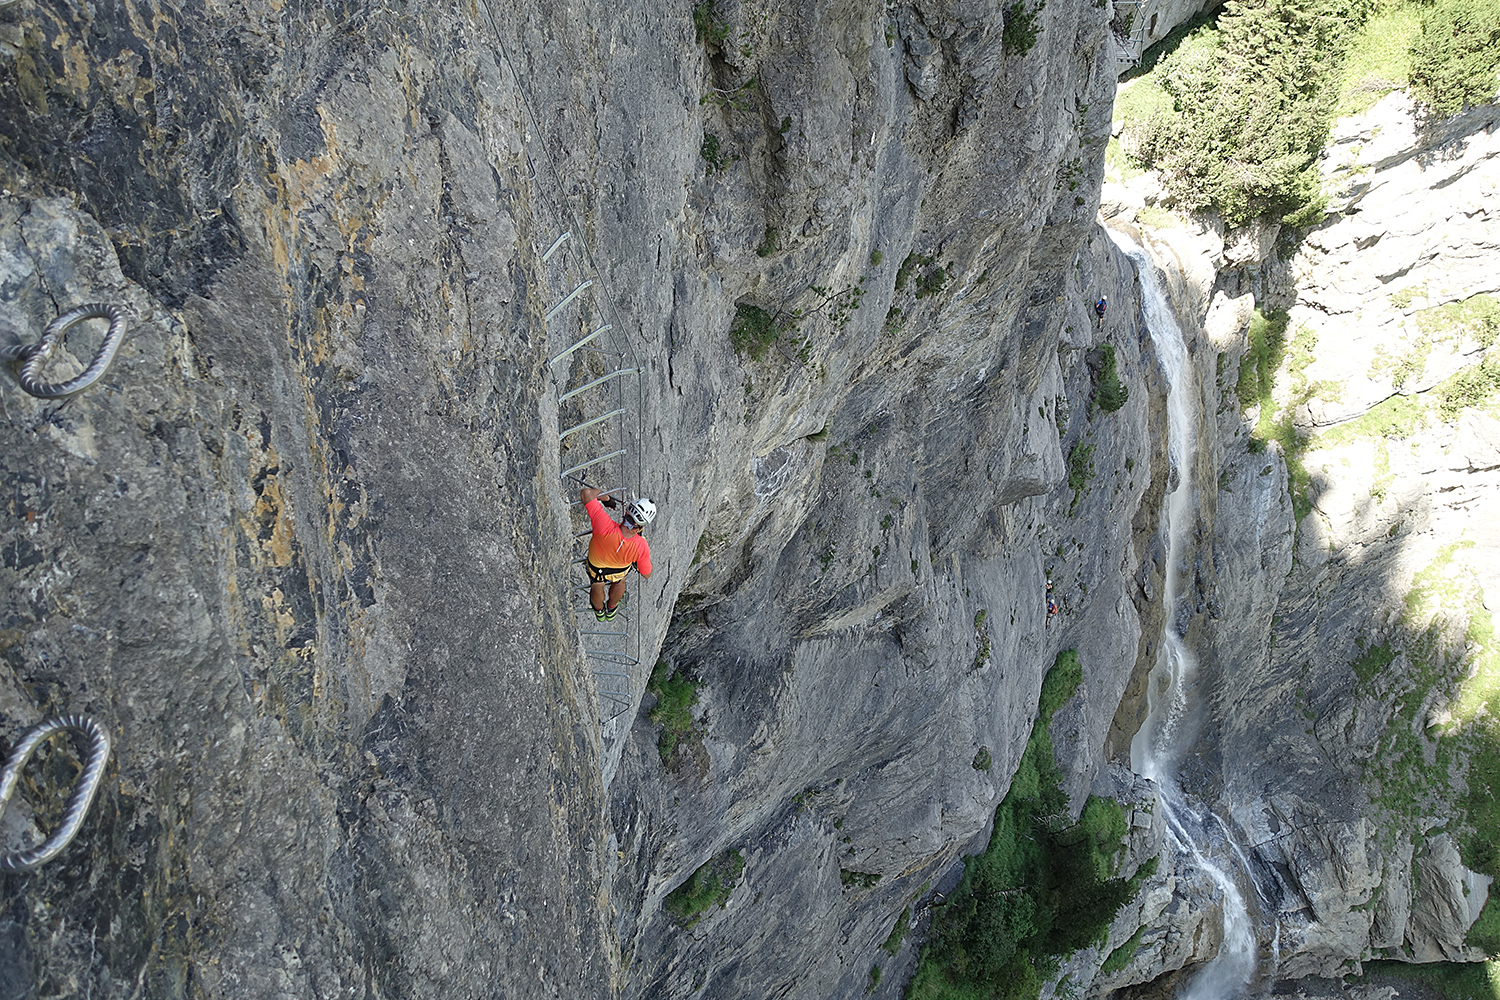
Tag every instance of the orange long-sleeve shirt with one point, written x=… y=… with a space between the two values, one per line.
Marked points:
x=608 y=546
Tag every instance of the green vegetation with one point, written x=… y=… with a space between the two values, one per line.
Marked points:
x=753 y=331
x=1252 y=99
x=1235 y=109
x=1255 y=386
x=1080 y=470
x=982 y=760
x=1372 y=661
x=1042 y=888
x=1476 y=318
x=862 y=880
x=1121 y=956
x=1021 y=28
x=1379 y=59
x=1261 y=359
x=933 y=277
x=707 y=25
x=768 y=242
x=1451 y=980
x=706 y=888
x=1109 y=392
x=876 y=257
x=675 y=697
x=1455 y=59
x=898 y=932
x=1447 y=636
x=712 y=152
x=1157 y=218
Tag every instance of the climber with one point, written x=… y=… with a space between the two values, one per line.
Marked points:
x=613 y=549
x=1052 y=608
x=1099 y=308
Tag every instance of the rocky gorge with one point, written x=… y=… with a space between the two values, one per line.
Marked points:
x=306 y=550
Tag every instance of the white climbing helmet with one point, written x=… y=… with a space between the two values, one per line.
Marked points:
x=641 y=511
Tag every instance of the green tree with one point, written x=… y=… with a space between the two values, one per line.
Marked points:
x=1454 y=62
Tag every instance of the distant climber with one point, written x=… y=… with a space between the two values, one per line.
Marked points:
x=1099 y=308
x=613 y=549
x=1052 y=608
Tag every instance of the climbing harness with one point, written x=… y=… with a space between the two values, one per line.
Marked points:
x=33 y=357
x=78 y=802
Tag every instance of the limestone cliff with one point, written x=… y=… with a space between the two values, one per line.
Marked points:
x=1345 y=572
x=306 y=550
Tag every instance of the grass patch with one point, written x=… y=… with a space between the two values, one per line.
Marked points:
x=1379 y=59
x=676 y=695
x=1109 y=392
x=1157 y=218
x=898 y=932
x=706 y=888
x=1476 y=318
x=983 y=761
x=753 y=331
x=1267 y=354
x=1372 y=661
x=1021 y=28
x=1043 y=887
x=1452 y=980
x=859 y=880
x=1121 y=956
x=1261 y=359
x=1080 y=471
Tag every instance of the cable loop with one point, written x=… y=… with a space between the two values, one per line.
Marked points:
x=33 y=357
x=78 y=802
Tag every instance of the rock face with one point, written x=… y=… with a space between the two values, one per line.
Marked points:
x=305 y=553
x=1341 y=670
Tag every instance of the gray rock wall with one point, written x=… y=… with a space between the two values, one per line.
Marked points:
x=304 y=553
x=1343 y=667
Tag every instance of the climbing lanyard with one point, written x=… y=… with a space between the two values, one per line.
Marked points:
x=78 y=802
x=33 y=357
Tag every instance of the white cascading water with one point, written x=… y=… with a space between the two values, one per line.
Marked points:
x=1156 y=752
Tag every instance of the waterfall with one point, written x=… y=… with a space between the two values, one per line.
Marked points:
x=1172 y=699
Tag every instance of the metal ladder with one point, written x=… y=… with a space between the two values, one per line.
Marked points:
x=596 y=398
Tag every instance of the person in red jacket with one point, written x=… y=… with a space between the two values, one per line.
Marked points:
x=613 y=549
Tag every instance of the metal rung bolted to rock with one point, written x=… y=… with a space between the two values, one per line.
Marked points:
x=566 y=299
x=599 y=381
x=579 y=344
x=33 y=357
x=78 y=802
x=589 y=423
x=593 y=461
x=555 y=244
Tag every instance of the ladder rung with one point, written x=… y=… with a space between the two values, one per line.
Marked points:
x=622 y=635
x=610 y=652
x=589 y=423
x=598 y=381
x=566 y=299
x=609 y=673
x=594 y=461
x=555 y=244
x=585 y=340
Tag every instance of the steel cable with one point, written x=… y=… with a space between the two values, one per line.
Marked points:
x=33 y=357
x=78 y=802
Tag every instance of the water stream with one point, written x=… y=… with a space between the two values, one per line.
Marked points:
x=1174 y=703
